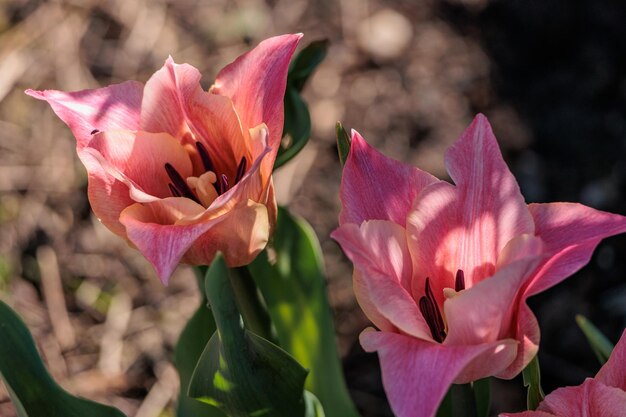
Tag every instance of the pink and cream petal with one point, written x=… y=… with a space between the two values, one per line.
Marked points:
x=256 y=83
x=591 y=399
x=417 y=374
x=613 y=372
x=489 y=200
x=378 y=251
x=571 y=233
x=362 y=295
x=240 y=235
x=107 y=195
x=141 y=157
x=214 y=122
x=116 y=107
x=251 y=187
x=163 y=99
x=375 y=187
x=484 y=312
x=150 y=228
x=441 y=243
x=527 y=334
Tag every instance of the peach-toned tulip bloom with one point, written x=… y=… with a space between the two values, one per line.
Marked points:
x=444 y=270
x=179 y=172
x=602 y=396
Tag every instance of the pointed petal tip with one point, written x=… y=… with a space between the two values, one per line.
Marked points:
x=38 y=94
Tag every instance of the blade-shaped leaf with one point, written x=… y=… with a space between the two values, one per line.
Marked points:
x=532 y=382
x=240 y=372
x=343 y=143
x=305 y=63
x=297 y=125
x=31 y=387
x=482 y=392
x=294 y=288
x=191 y=343
x=601 y=346
x=313 y=406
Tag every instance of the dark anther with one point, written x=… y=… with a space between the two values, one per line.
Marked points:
x=459 y=281
x=179 y=183
x=204 y=155
x=241 y=169
x=93 y=132
x=223 y=183
x=173 y=190
x=432 y=315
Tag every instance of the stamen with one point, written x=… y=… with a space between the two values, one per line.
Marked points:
x=179 y=183
x=173 y=190
x=204 y=155
x=241 y=169
x=459 y=281
x=432 y=315
x=224 y=183
x=427 y=312
x=93 y=132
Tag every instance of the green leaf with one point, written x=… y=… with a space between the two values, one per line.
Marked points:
x=305 y=63
x=601 y=346
x=532 y=382
x=482 y=392
x=240 y=372
x=294 y=288
x=191 y=343
x=313 y=406
x=297 y=128
x=297 y=125
x=31 y=387
x=343 y=143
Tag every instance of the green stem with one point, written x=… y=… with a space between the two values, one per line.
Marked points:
x=463 y=400
x=251 y=305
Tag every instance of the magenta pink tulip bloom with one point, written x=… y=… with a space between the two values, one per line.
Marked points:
x=179 y=172
x=602 y=396
x=443 y=271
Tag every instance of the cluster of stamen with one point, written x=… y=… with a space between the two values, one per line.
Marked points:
x=180 y=188
x=430 y=309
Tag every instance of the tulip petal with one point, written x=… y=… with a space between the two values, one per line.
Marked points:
x=240 y=235
x=592 y=398
x=116 y=107
x=123 y=168
x=375 y=187
x=150 y=227
x=174 y=102
x=256 y=83
x=378 y=251
x=613 y=372
x=255 y=186
x=527 y=334
x=528 y=414
x=164 y=98
x=489 y=200
x=155 y=229
x=417 y=374
x=571 y=233
x=141 y=157
x=483 y=313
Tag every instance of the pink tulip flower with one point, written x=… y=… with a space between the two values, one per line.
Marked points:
x=602 y=396
x=179 y=172
x=443 y=271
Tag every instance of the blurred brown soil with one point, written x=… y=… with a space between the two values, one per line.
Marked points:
x=408 y=75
